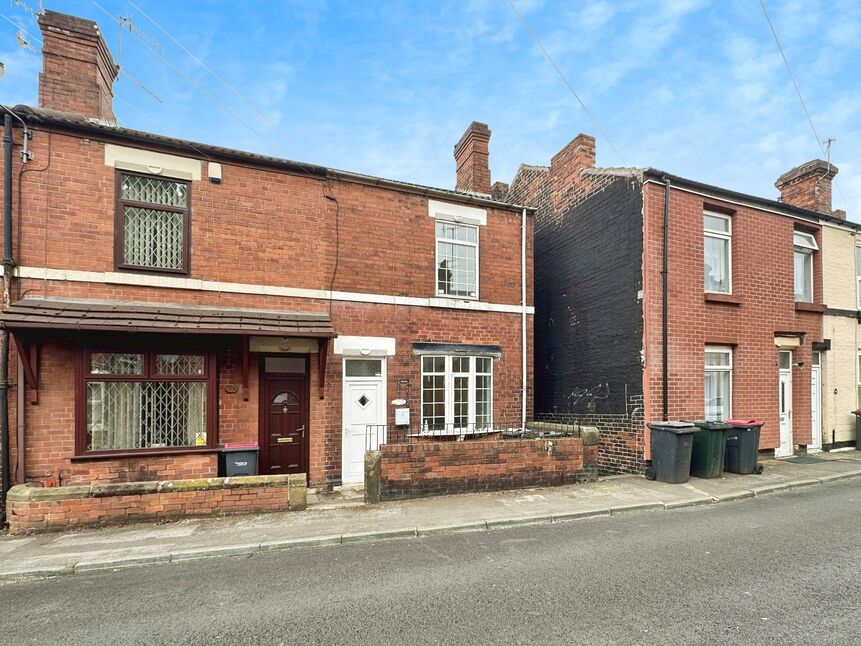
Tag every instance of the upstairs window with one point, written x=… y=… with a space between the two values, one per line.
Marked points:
x=858 y=273
x=456 y=259
x=152 y=223
x=804 y=245
x=717 y=252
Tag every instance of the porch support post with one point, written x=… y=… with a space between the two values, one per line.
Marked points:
x=322 y=351
x=245 y=368
x=30 y=365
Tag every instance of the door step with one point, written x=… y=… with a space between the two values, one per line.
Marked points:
x=342 y=497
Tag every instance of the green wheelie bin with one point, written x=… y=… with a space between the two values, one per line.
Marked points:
x=707 y=452
x=671 y=451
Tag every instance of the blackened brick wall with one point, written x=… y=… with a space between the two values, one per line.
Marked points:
x=621 y=443
x=588 y=321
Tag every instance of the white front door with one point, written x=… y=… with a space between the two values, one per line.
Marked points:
x=785 y=394
x=815 y=405
x=364 y=411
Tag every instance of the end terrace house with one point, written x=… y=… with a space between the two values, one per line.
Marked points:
x=167 y=297
x=661 y=297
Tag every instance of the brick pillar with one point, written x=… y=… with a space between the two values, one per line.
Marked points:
x=78 y=71
x=471 y=155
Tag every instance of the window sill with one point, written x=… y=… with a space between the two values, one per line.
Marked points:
x=451 y=297
x=141 y=453
x=158 y=271
x=810 y=307
x=727 y=299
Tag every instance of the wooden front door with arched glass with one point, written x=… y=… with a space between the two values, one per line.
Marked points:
x=284 y=427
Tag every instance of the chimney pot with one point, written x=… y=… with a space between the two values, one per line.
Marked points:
x=808 y=186
x=471 y=154
x=78 y=71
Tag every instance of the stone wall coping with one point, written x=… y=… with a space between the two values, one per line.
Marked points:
x=32 y=493
x=510 y=444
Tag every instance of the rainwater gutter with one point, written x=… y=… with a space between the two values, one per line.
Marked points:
x=523 y=318
x=8 y=266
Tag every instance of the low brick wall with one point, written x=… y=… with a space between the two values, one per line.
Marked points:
x=35 y=509
x=621 y=438
x=399 y=471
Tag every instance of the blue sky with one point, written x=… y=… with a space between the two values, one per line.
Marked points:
x=694 y=87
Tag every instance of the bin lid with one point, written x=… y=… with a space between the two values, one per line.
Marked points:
x=239 y=445
x=709 y=426
x=745 y=422
x=672 y=427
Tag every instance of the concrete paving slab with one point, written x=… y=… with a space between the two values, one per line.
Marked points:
x=83 y=550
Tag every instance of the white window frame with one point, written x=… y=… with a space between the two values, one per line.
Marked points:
x=463 y=243
x=721 y=235
x=448 y=386
x=858 y=378
x=858 y=273
x=719 y=349
x=807 y=246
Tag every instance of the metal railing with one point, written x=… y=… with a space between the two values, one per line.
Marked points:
x=378 y=434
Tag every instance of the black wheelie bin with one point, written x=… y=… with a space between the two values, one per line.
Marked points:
x=742 y=446
x=671 y=451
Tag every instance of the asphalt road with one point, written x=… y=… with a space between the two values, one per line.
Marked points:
x=781 y=569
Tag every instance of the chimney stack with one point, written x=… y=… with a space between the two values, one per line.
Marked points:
x=808 y=186
x=472 y=158
x=78 y=71
x=566 y=166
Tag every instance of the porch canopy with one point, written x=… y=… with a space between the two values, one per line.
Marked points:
x=129 y=316
x=139 y=317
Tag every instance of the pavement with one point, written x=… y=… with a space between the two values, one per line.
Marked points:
x=332 y=520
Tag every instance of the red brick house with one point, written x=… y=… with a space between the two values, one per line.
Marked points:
x=167 y=297
x=732 y=331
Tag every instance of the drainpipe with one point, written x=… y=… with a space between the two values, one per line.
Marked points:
x=665 y=313
x=4 y=334
x=523 y=318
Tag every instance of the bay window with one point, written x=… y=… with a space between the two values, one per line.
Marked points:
x=457 y=393
x=718 y=383
x=146 y=400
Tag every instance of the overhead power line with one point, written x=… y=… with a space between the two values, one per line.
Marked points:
x=184 y=76
x=819 y=142
x=197 y=60
x=567 y=82
x=224 y=82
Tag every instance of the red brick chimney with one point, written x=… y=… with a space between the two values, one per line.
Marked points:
x=566 y=165
x=78 y=70
x=472 y=158
x=808 y=186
